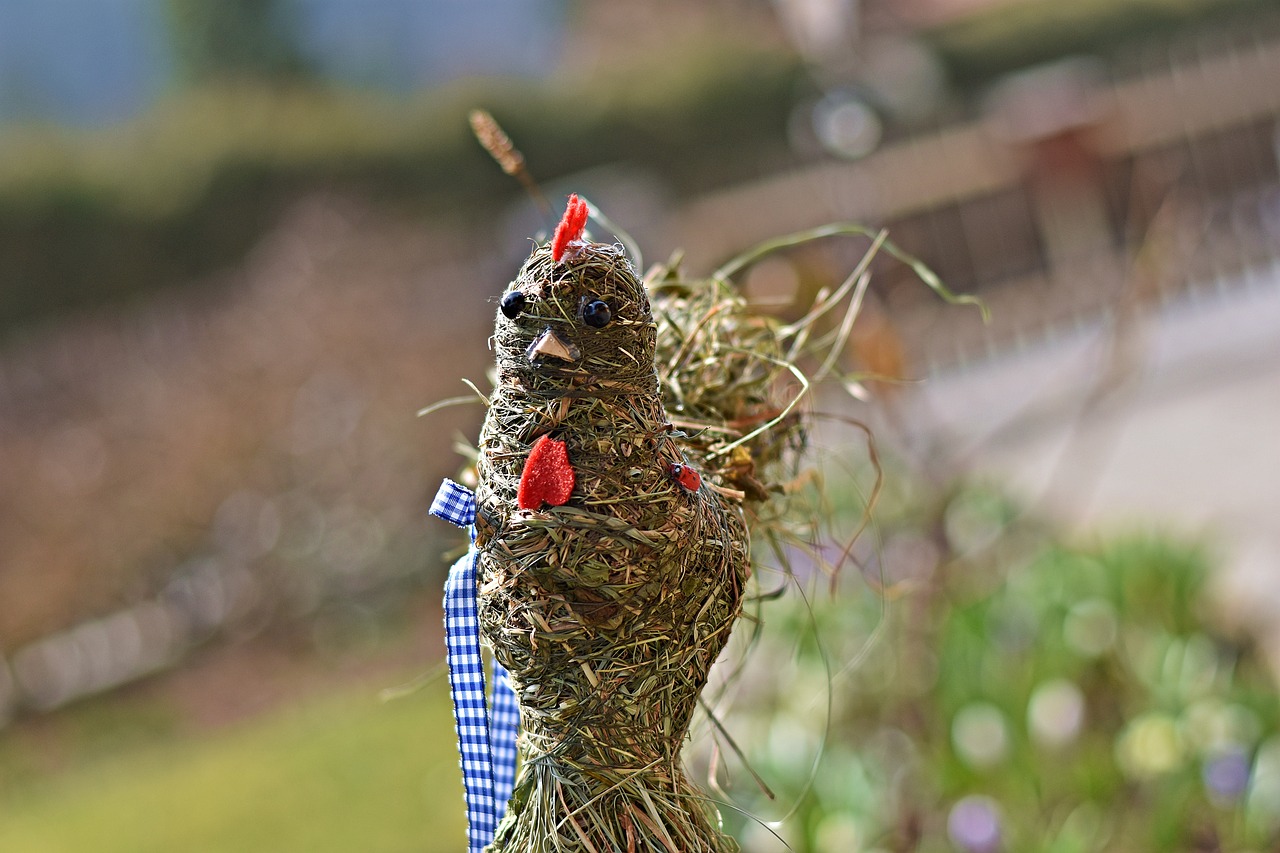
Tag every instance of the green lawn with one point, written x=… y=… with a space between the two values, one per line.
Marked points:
x=343 y=773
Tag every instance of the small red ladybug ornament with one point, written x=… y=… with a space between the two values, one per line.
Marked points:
x=686 y=476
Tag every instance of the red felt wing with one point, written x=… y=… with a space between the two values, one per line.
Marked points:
x=547 y=476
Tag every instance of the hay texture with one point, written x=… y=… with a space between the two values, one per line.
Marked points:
x=609 y=609
x=724 y=371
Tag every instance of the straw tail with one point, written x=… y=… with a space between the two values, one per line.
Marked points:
x=573 y=811
x=609 y=601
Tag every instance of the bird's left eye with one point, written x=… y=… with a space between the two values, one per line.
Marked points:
x=512 y=304
x=596 y=314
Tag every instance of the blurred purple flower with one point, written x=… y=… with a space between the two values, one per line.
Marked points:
x=1226 y=775
x=974 y=824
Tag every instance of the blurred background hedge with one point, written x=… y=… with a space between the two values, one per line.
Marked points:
x=189 y=187
x=96 y=215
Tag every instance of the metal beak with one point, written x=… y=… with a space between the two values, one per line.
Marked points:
x=550 y=345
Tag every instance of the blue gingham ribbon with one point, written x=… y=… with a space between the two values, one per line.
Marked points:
x=486 y=744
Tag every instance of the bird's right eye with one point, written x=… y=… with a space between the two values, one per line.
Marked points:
x=512 y=304
x=596 y=314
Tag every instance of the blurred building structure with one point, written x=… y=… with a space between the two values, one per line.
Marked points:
x=1077 y=185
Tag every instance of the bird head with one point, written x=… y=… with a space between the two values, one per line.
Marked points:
x=578 y=325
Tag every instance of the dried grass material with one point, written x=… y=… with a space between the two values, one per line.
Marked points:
x=732 y=379
x=610 y=610
x=728 y=384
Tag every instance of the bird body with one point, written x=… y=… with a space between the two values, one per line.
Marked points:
x=608 y=594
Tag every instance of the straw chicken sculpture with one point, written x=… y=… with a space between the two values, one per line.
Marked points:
x=609 y=575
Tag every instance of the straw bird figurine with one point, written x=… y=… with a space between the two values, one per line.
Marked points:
x=609 y=572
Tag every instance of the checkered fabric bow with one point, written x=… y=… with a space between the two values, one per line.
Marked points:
x=487 y=744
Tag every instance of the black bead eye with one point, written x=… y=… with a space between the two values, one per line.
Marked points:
x=512 y=304
x=596 y=314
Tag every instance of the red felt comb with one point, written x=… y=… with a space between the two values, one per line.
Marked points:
x=570 y=227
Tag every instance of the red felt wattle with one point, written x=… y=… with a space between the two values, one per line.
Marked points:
x=570 y=228
x=547 y=477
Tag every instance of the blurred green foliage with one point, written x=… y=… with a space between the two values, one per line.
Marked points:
x=219 y=39
x=1014 y=695
x=191 y=186
x=344 y=773
x=1005 y=37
